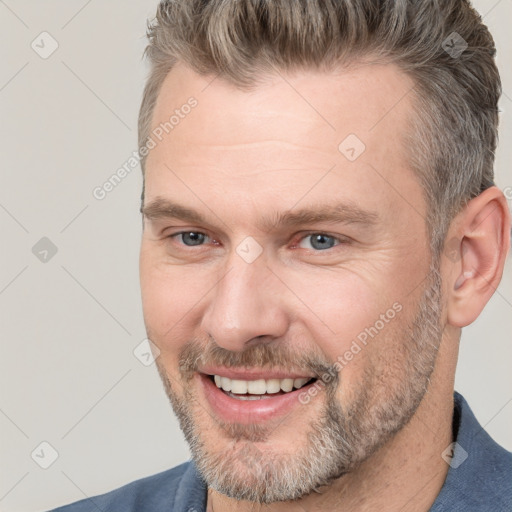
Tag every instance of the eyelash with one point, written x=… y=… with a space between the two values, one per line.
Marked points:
x=339 y=240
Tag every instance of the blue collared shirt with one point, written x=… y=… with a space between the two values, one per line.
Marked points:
x=479 y=479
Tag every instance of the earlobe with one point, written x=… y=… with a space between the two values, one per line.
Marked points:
x=483 y=228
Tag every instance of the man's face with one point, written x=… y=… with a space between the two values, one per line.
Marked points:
x=308 y=252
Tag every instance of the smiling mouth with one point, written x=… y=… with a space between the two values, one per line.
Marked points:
x=258 y=389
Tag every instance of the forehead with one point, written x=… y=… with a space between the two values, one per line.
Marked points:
x=361 y=97
x=279 y=138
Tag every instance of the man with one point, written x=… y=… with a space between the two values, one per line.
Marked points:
x=320 y=222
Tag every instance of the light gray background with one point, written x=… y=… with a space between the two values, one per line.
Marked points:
x=69 y=326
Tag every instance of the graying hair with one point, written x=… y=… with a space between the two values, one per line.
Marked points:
x=453 y=132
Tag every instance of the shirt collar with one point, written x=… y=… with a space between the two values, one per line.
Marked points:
x=478 y=467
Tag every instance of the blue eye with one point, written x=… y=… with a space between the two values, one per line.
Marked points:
x=191 y=238
x=319 y=241
x=314 y=241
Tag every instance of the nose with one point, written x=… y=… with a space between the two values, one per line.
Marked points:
x=245 y=305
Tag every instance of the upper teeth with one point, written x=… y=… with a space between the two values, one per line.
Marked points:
x=260 y=386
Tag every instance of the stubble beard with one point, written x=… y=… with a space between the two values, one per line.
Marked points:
x=337 y=441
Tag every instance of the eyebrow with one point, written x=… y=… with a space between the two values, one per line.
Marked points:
x=342 y=213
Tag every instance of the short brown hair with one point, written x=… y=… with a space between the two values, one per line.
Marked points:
x=453 y=133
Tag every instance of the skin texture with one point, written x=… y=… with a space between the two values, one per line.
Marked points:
x=240 y=157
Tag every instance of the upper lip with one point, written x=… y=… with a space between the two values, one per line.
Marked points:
x=252 y=373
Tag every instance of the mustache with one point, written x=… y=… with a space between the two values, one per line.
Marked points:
x=266 y=356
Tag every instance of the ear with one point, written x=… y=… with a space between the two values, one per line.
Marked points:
x=478 y=243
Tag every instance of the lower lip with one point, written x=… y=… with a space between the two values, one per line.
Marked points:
x=246 y=412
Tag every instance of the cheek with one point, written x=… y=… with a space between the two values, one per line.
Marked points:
x=355 y=319
x=171 y=300
x=342 y=305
